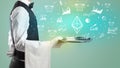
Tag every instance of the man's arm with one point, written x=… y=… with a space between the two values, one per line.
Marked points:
x=20 y=24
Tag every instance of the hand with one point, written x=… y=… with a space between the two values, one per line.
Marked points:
x=57 y=42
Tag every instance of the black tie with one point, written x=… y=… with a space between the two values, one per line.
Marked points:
x=31 y=5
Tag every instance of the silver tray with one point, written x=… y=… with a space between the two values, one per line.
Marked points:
x=76 y=39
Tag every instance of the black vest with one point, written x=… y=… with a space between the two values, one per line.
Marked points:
x=32 y=30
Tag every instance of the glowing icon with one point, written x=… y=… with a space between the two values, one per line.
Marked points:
x=94 y=27
x=87 y=20
x=98 y=3
x=87 y=35
x=49 y=8
x=43 y=18
x=52 y=33
x=80 y=6
x=62 y=29
x=101 y=35
x=107 y=5
x=66 y=11
x=97 y=11
x=104 y=18
x=77 y=24
x=112 y=30
x=111 y=23
x=59 y=20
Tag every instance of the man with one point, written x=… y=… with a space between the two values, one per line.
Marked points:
x=24 y=34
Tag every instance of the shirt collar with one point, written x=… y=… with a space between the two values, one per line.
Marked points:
x=25 y=1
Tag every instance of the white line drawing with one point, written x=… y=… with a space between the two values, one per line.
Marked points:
x=80 y=6
x=77 y=24
x=87 y=20
x=43 y=18
x=98 y=11
x=111 y=23
x=65 y=10
x=112 y=30
x=107 y=5
x=59 y=20
x=49 y=8
x=87 y=35
x=94 y=27
x=104 y=18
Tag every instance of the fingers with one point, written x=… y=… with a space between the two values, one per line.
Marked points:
x=57 y=42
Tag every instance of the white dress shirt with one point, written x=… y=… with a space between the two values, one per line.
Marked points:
x=20 y=23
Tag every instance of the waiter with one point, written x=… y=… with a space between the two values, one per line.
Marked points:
x=23 y=31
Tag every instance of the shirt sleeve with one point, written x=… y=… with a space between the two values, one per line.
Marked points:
x=20 y=24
